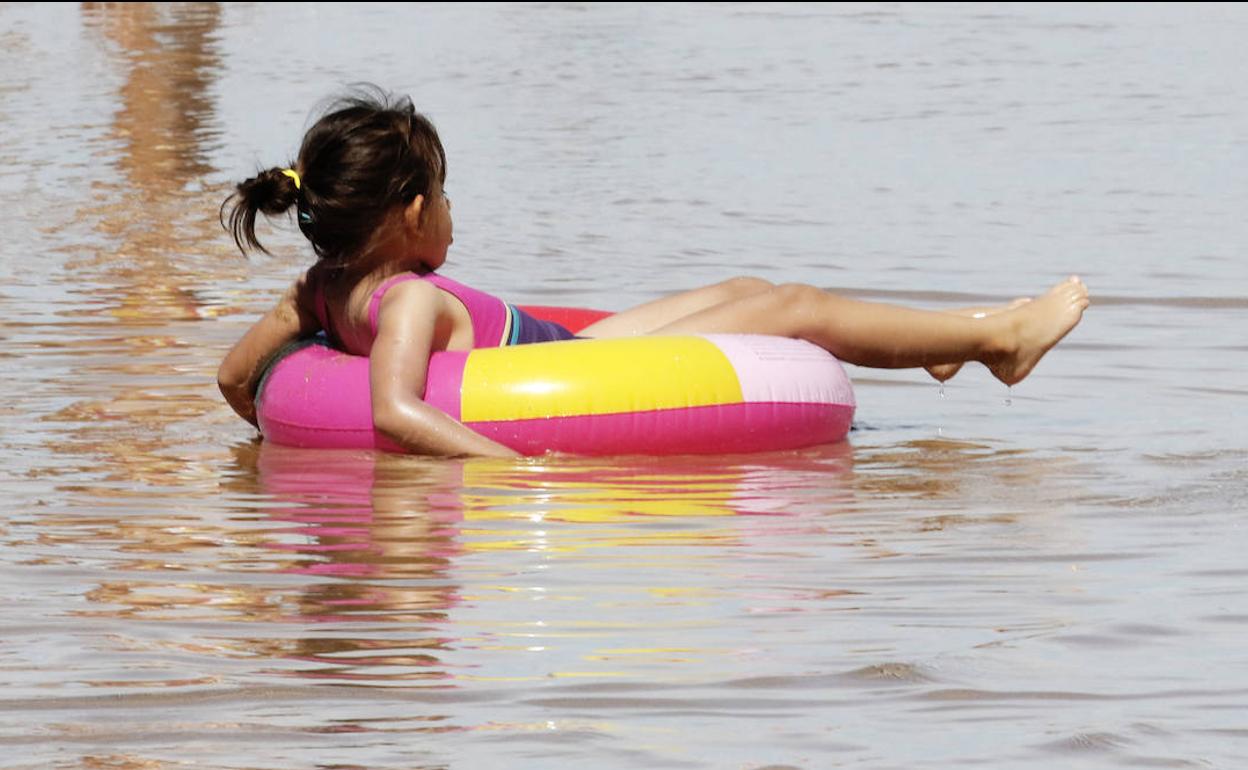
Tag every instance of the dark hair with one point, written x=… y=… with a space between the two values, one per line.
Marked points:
x=367 y=155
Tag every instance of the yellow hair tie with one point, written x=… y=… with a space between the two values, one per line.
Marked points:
x=290 y=172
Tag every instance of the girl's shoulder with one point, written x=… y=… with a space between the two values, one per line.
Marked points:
x=311 y=291
x=314 y=278
x=403 y=292
x=304 y=288
x=322 y=284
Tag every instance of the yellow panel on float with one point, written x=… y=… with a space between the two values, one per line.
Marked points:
x=579 y=377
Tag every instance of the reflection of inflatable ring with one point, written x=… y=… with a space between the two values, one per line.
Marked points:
x=637 y=395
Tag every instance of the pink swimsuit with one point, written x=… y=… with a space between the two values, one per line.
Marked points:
x=494 y=322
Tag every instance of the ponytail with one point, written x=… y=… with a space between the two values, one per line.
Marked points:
x=271 y=192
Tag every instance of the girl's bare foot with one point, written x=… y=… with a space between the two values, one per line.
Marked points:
x=1035 y=327
x=943 y=372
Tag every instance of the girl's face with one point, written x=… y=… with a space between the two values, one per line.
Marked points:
x=435 y=233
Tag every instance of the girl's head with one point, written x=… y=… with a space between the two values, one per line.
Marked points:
x=359 y=170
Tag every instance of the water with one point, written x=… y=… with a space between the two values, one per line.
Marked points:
x=1059 y=581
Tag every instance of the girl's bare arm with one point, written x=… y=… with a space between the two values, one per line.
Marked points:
x=398 y=365
x=240 y=372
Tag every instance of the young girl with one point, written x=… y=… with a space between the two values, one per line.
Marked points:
x=367 y=192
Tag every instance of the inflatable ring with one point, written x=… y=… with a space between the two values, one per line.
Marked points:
x=706 y=394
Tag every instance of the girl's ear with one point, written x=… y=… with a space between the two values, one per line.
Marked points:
x=411 y=214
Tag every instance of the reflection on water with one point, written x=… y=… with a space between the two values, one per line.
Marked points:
x=1058 y=579
x=162 y=133
x=166 y=112
x=133 y=279
x=351 y=537
x=567 y=585
x=375 y=539
x=369 y=522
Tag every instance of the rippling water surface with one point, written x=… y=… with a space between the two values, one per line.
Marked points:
x=1053 y=576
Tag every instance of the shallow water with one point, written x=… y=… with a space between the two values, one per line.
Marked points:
x=1049 y=576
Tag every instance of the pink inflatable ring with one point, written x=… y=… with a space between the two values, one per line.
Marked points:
x=654 y=395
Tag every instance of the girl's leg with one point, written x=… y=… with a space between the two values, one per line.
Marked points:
x=654 y=315
x=870 y=334
x=651 y=316
x=943 y=372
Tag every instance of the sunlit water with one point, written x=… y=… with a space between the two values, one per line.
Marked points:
x=1049 y=577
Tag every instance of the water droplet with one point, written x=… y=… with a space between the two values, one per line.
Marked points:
x=1009 y=395
x=942 y=390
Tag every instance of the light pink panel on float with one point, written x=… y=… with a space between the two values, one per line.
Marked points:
x=784 y=371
